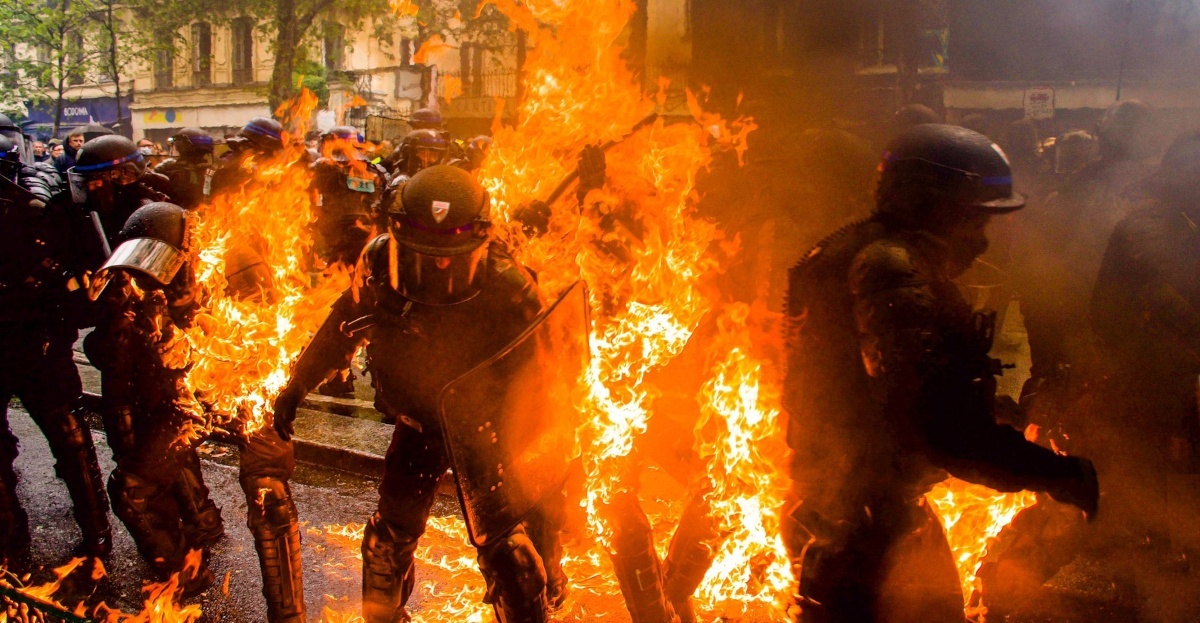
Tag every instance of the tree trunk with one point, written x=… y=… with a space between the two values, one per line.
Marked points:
x=286 y=42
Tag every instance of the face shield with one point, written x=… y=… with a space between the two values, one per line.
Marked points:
x=436 y=279
x=153 y=258
x=425 y=157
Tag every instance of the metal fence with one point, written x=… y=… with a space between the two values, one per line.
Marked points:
x=486 y=84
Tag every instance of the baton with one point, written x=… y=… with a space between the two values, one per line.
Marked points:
x=95 y=216
x=574 y=175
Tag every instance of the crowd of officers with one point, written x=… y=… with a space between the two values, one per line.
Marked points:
x=890 y=382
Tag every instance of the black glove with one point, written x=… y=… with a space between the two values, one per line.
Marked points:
x=1081 y=488
x=592 y=168
x=534 y=218
x=285 y=410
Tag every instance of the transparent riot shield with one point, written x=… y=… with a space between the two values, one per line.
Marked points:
x=510 y=422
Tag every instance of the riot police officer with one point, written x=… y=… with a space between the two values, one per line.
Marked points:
x=1062 y=242
x=443 y=297
x=41 y=179
x=191 y=170
x=348 y=189
x=41 y=276
x=149 y=279
x=1146 y=314
x=110 y=183
x=890 y=386
x=13 y=133
x=419 y=150
x=260 y=136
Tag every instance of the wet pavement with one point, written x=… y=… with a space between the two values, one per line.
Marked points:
x=334 y=504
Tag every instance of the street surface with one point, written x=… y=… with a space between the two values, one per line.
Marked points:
x=334 y=505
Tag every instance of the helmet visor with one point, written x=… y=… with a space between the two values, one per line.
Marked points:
x=427 y=157
x=154 y=258
x=439 y=279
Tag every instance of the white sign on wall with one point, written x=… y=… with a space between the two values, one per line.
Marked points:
x=1039 y=103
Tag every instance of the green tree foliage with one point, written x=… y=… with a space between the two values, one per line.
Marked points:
x=290 y=25
x=53 y=46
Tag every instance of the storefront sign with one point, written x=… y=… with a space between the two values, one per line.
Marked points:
x=1039 y=103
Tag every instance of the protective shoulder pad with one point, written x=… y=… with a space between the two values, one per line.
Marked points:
x=886 y=264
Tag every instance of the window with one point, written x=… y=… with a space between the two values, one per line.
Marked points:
x=406 y=45
x=44 y=56
x=335 y=47
x=242 y=33
x=471 y=62
x=164 y=59
x=75 y=59
x=876 y=43
x=201 y=54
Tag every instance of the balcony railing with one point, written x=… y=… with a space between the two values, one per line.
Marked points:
x=487 y=84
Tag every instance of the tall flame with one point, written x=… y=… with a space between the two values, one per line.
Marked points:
x=744 y=454
x=243 y=347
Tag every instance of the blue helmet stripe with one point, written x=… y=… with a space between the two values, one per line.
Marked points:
x=261 y=131
x=103 y=166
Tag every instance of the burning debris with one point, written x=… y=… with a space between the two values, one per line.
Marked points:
x=40 y=603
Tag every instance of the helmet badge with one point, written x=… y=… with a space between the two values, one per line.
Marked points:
x=440 y=210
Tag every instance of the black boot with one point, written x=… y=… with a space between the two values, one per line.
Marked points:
x=638 y=570
x=516 y=578
x=388 y=572
x=14 y=523
x=274 y=522
x=201 y=518
x=693 y=547
x=70 y=441
x=151 y=517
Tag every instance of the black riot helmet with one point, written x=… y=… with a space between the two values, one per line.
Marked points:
x=423 y=149
x=13 y=133
x=10 y=158
x=110 y=158
x=477 y=150
x=263 y=135
x=10 y=129
x=911 y=116
x=439 y=224
x=343 y=132
x=1125 y=130
x=191 y=143
x=341 y=142
x=937 y=173
x=154 y=242
x=426 y=119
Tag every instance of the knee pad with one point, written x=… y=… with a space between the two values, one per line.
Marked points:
x=270 y=510
x=387 y=551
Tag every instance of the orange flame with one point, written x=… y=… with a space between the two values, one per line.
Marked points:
x=243 y=347
x=973 y=515
x=738 y=438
